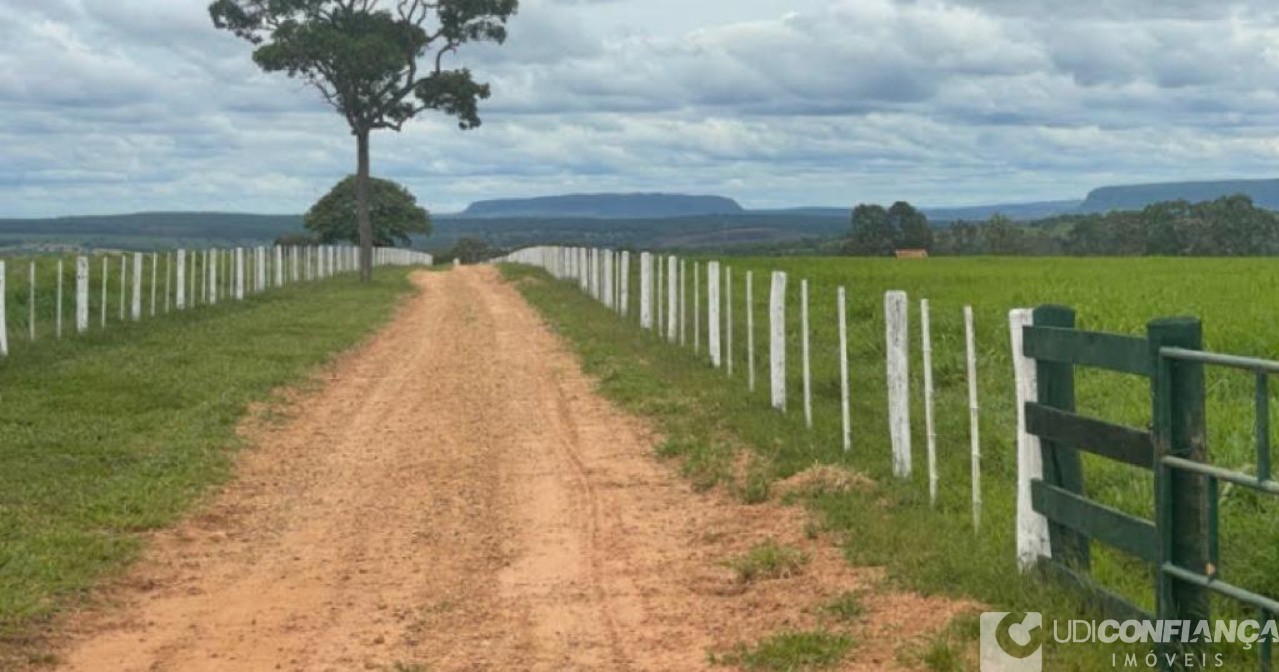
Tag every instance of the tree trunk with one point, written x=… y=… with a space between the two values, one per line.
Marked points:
x=363 y=222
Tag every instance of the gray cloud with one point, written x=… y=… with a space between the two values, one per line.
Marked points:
x=140 y=104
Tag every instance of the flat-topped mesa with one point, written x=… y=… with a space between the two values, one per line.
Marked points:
x=607 y=206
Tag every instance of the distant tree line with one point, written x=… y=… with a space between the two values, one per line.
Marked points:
x=1228 y=226
x=879 y=232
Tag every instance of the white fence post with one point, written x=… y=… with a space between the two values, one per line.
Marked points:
x=135 y=307
x=750 y=331
x=970 y=343
x=646 y=290
x=683 y=301
x=625 y=277
x=168 y=280
x=239 y=274
x=728 y=319
x=105 y=273
x=697 y=308
x=777 y=340
x=279 y=266
x=180 y=299
x=843 y=371
x=155 y=268
x=712 y=312
x=808 y=375
x=4 y=328
x=930 y=432
x=896 y=330
x=124 y=276
x=31 y=300
x=672 y=299
x=212 y=276
x=1032 y=527
x=658 y=293
x=609 y=300
x=81 y=294
x=57 y=328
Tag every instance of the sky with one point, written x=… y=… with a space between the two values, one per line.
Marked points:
x=113 y=106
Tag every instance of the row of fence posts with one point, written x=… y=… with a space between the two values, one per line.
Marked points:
x=605 y=275
x=214 y=274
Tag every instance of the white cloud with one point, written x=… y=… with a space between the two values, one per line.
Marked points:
x=141 y=104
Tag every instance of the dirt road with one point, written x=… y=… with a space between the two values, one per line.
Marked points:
x=456 y=497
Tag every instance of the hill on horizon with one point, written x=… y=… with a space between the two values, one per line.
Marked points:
x=606 y=220
x=1264 y=194
x=605 y=206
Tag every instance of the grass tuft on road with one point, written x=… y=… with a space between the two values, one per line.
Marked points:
x=768 y=560
x=790 y=651
x=111 y=434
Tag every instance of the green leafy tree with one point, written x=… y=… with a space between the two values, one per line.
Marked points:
x=911 y=226
x=393 y=210
x=472 y=251
x=363 y=57
x=872 y=233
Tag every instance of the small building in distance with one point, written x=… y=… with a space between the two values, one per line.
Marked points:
x=911 y=254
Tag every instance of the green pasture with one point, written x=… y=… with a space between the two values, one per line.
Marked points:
x=935 y=548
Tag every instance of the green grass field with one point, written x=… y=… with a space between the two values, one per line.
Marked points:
x=118 y=431
x=934 y=549
x=18 y=290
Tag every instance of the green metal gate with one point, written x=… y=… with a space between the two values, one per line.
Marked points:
x=1181 y=543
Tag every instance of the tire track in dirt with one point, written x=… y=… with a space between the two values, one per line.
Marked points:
x=457 y=495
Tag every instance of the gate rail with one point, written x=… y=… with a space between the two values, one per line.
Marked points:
x=1181 y=542
x=1261 y=482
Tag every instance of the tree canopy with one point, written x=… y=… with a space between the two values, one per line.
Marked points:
x=1227 y=226
x=878 y=232
x=378 y=64
x=393 y=210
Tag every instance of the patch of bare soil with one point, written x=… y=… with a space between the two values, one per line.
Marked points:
x=459 y=497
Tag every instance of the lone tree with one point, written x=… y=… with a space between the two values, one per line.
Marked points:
x=363 y=58
x=392 y=208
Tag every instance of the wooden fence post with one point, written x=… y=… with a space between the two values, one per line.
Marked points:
x=974 y=410
x=1181 y=496
x=777 y=340
x=896 y=332
x=1032 y=527
x=697 y=308
x=712 y=312
x=930 y=431
x=843 y=371
x=1055 y=383
x=81 y=294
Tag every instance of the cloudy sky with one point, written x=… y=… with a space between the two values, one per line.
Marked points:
x=126 y=105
